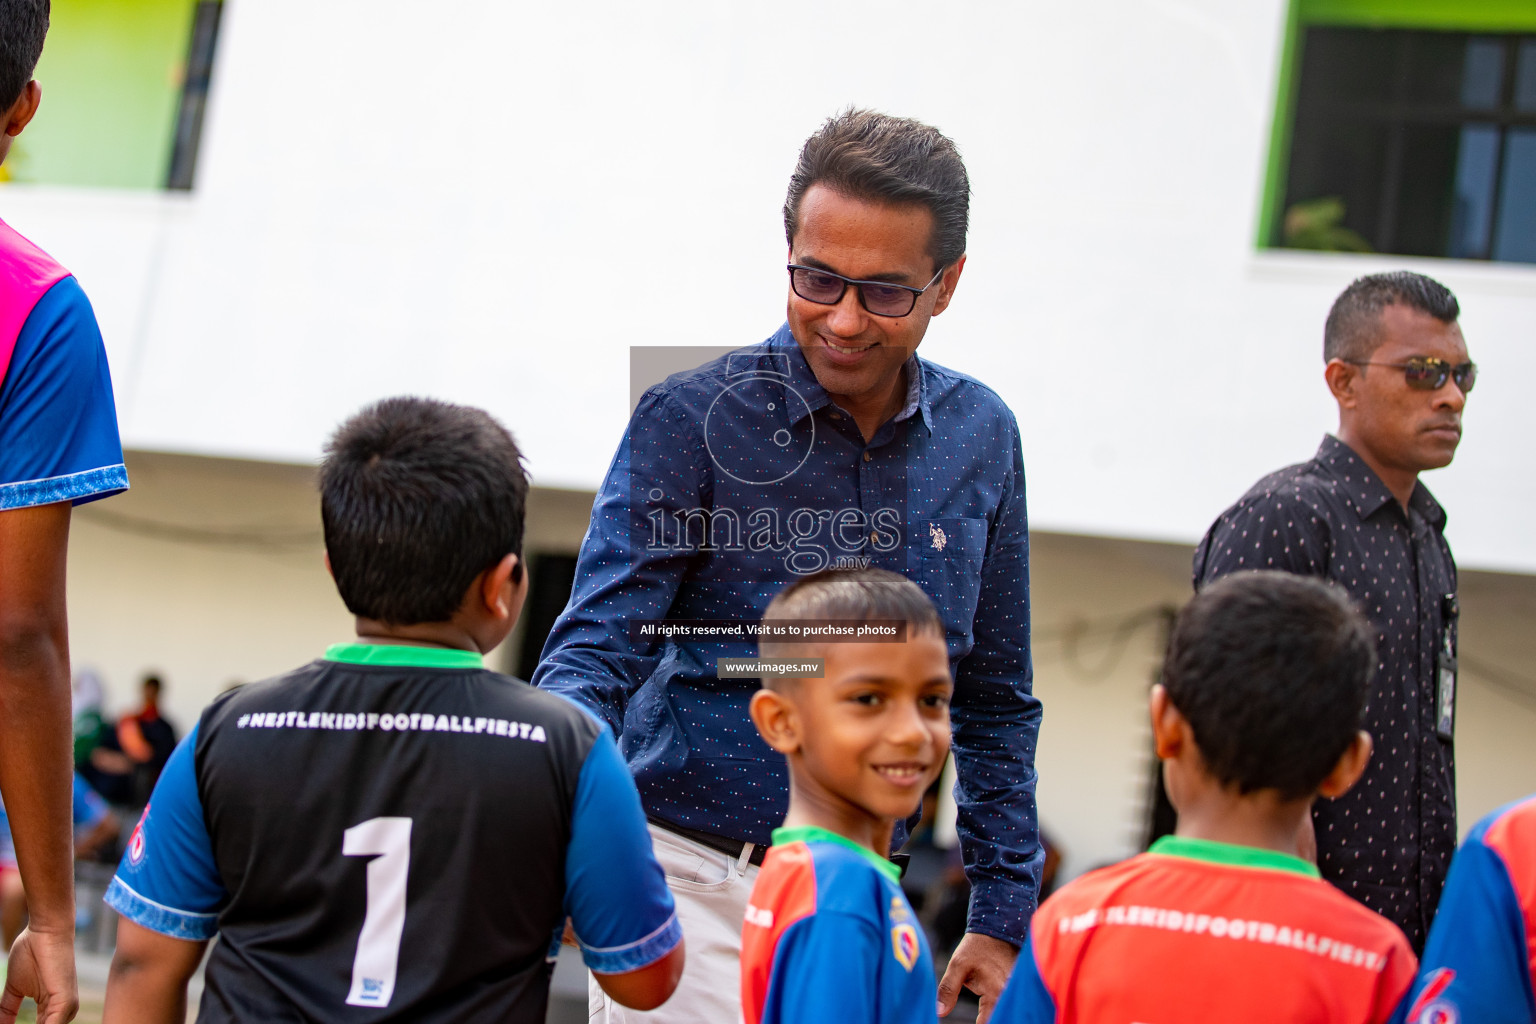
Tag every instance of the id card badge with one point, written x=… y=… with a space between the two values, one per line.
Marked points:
x=1445 y=670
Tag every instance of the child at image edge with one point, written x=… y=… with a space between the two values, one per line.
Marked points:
x=828 y=934
x=1479 y=965
x=1259 y=712
x=394 y=832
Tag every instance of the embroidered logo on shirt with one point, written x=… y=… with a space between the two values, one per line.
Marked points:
x=136 y=841
x=936 y=534
x=904 y=945
x=1429 y=1008
x=760 y=916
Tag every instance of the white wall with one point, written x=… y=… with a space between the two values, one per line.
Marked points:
x=490 y=202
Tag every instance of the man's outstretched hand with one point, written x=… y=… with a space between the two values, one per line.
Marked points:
x=981 y=964
x=42 y=966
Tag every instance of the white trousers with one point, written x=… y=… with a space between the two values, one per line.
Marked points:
x=711 y=890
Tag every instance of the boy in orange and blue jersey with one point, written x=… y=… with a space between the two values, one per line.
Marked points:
x=1480 y=960
x=1259 y=712
x=829 y=935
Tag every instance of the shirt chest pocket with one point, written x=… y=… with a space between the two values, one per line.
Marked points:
x=950 y=553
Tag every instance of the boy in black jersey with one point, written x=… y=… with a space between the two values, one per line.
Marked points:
x=394 y=832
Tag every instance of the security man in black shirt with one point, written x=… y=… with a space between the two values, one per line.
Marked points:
x=1357 y=514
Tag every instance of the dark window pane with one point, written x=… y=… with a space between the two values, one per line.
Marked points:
x=1437 y=68
x=1482 y=75
x=1413 y=142
x=1525 y=76
x=1348 y=64
x=1515 y=238
x=1422 y=218
x=1472 y=207
x=1343 y=158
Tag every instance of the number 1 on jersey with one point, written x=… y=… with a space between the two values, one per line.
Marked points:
x=378 y=947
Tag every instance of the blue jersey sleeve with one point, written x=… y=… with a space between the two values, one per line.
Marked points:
x=89 y=807
x=1025 y=1000
x=1476 y=964
x=615 y=891
x=168 y=881
x=825 y=969
x=58 y=422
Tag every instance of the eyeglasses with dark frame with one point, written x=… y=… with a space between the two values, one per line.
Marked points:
x=882 y=298
x=1425 y=373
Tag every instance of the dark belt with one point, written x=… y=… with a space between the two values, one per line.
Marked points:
x=729 y=847
x=733 y=847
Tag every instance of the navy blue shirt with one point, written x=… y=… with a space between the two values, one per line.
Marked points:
x=735 y=478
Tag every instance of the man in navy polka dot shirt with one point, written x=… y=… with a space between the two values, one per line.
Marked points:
x=1357 y=514
x=830 y=443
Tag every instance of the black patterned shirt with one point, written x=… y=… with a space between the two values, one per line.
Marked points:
x=1388 y=841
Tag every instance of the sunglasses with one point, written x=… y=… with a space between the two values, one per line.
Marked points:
x=1427 y=374
x=879 y=297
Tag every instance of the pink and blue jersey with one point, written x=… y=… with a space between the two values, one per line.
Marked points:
x=1197 y=931
x=58 y=422
x=1481 y=954
x=829 y=936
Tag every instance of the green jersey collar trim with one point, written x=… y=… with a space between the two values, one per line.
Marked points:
x=807 y=833
x=403 y=655
x=1236 y=856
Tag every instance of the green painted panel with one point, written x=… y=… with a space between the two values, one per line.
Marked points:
x=111 y=77
x=1280 y=129
x=1451 y=15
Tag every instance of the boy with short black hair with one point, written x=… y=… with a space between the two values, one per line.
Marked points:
x=1258 y=713
x=829 y=935
x=394 y=832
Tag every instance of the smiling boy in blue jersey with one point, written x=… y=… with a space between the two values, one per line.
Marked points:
x=829 y=934
x=393 y=832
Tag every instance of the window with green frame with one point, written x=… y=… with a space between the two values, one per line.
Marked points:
x=123 y=92
x=1406 y=127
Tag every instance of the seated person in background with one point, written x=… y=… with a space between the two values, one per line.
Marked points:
x=1258 y=713
x=394 y=832
x=829 y=935
x=1480 y=961
x=96 y=828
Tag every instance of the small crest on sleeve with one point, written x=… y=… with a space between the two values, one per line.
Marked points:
x=136 y=841
x=904 y=945
x=1429 y=1008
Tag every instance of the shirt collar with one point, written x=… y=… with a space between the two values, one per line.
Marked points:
x=784 y=352
x=1364 y=488
x=809 y=833
x=404 y=655
x=1212 y=852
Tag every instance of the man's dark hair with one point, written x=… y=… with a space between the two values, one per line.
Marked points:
x=1272 y=671
x=1353 y=328
x=23 y=24
x=851 y=594
x=895 y=160
x=419 y=497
